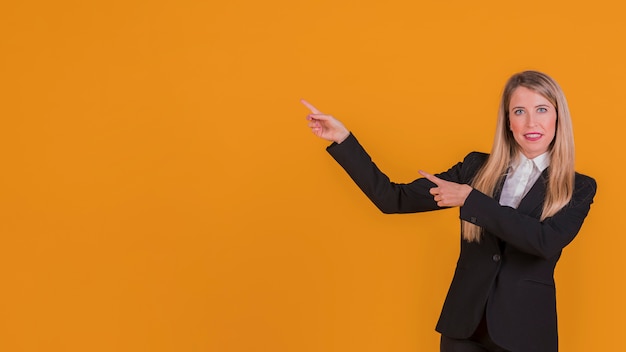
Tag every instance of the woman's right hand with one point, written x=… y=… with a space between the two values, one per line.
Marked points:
x=325 y=126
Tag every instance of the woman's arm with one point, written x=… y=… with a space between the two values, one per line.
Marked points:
x=423 y=194
x=541 y=238
x=391 y=197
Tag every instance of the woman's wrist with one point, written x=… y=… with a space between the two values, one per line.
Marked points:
x=342 y=137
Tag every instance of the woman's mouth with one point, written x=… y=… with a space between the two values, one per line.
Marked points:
x=533 y=136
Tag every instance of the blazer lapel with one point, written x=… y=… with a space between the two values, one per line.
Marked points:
x=498 y=191
x=535 y=196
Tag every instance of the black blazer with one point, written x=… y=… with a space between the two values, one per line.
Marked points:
x=509 y=275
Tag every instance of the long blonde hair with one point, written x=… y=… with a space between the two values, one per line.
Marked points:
x=560 y=186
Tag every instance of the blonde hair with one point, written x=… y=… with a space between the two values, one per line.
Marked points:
x=560 y=185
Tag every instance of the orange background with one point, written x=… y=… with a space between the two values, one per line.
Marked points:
x=160 y=190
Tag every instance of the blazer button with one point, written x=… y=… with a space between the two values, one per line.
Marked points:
x=473 y=219
x=496 y=257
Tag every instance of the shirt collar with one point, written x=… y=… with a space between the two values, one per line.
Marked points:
x=541 y=162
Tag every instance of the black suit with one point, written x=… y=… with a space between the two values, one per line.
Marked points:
x=508 y=276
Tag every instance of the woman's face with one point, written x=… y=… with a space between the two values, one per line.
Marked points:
x=532 y=119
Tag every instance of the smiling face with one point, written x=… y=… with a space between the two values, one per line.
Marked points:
x=532 y=120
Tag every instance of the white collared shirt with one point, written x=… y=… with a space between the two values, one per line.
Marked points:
x=522 y=175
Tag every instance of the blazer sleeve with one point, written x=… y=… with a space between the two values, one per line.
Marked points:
x=527 y=233
x=388 y=196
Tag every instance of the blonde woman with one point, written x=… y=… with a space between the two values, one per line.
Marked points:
x=520 y=206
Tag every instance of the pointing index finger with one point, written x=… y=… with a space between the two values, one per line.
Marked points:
x=310 y=106
x=432 y=178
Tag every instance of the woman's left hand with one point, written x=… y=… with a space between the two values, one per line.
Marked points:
x=447 y=194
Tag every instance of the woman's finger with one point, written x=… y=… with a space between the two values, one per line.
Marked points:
x=432 y=178
x=310 y=106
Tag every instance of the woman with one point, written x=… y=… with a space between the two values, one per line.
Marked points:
x=519 y=206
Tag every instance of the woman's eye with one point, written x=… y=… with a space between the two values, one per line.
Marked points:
x=542 y=110
x=518 y=111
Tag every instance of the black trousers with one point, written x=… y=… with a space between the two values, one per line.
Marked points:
x=478 y=342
